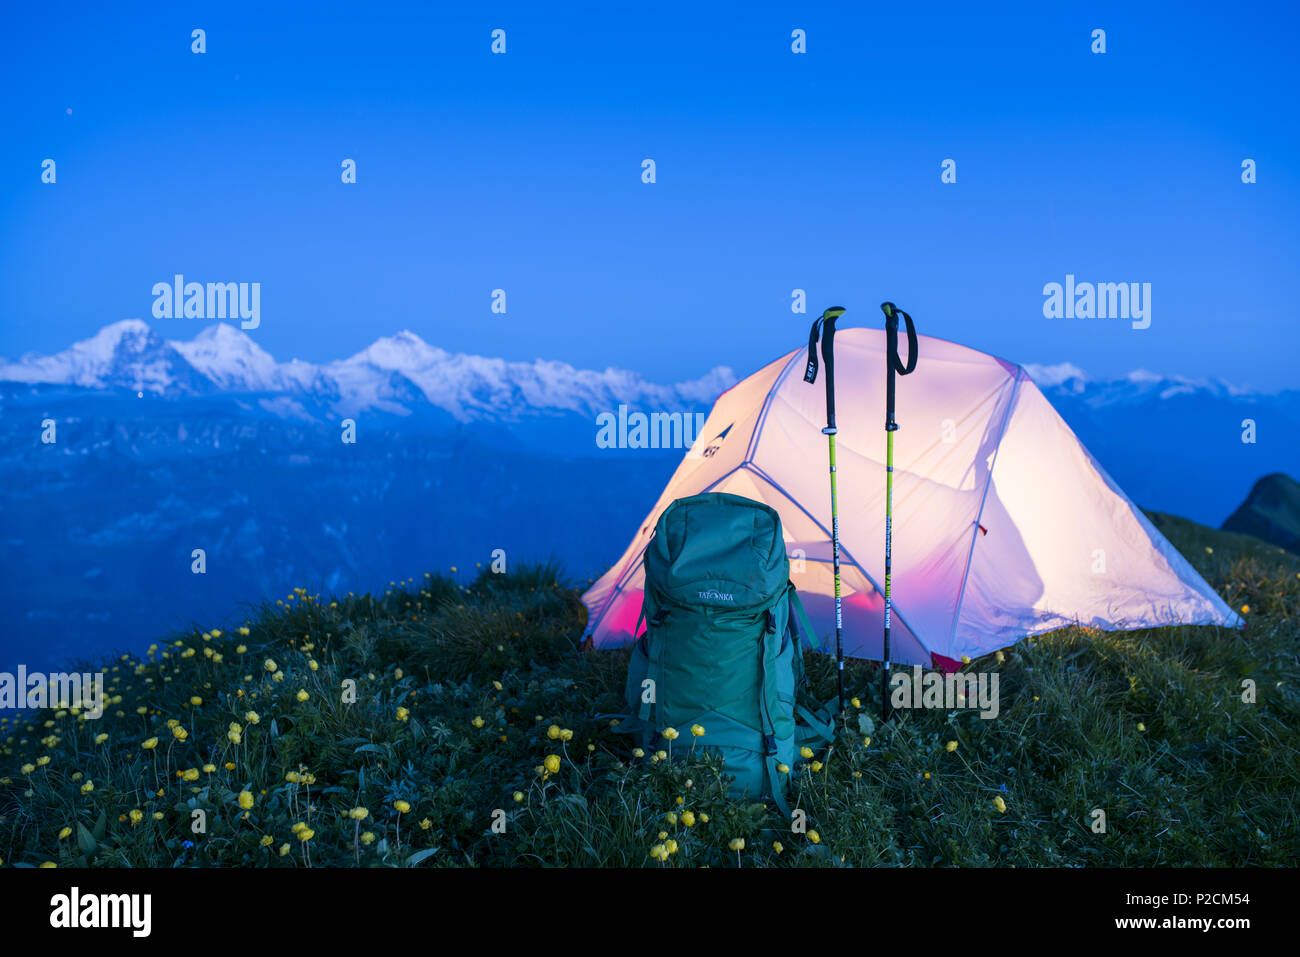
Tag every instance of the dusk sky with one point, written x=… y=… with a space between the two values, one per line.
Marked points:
x=775 y=171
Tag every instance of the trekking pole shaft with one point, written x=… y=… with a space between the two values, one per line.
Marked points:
x=889 y=523
x=835 y=564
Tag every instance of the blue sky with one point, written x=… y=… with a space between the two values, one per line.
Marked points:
x=775 y=171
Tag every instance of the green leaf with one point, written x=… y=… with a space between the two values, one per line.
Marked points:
x=101 y=826
x=85 y=840
x=368 y=747
x=421 y=856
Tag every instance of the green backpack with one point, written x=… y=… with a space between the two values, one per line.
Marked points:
x=718 y=652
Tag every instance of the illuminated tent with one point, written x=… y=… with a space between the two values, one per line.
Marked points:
x=1004 y=525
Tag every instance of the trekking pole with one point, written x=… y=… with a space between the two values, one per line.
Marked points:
x=893 y=363
x=826 y=325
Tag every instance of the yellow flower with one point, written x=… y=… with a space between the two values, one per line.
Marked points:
x=670 y=846
x=101 y=738
x=313 y=665
x=553 y=732
x=234 y=736
x=302 y=695
x=27 y=768
x=688 y=818
x=241 y=649
x=426 y=824
x=857 y=704
x=805 y=752
x=252 y=717
x=1245 y=609
x=1000 y=657
x=190 y=774
x=230 y=765
x=88 y=787
x=180 y=733
x=246 y=800
x=670 y=734
x=63 y=834
x=359 y=813
x=965 y=659
x=927 y=775
x=552 y=763
x=136 y=816
x=697 y=730
x=659 y=853
x=270 y=665
x=306 y=834
x=737 y=844
x=1000 y=804
x=402 y=806
x=661 y=755
x=368 y=837
x=267 y=840
x=814 y=837
x=209 y=768
x=1141 y=726
x=402 y=714
x=284 y=849
x=48 y=864
x=778 y=846
x=150 y=744
x=950 y=747
x=478 y=721
x=638 y=753
x=816 y=765
x=497 y=685
x=566 y=734
x=704 y=819
x=196 y=701
x=518 y=796
x=157 y=815
x=671 y=818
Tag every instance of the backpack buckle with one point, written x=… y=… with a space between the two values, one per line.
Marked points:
x=769 y=743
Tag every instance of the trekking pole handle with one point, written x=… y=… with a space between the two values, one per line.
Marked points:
x=892 y=313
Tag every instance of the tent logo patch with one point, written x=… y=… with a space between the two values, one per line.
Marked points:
x=716 y=444
x=717 y=596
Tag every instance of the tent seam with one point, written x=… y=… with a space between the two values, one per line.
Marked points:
x=752 y=448
x=758 y=470
x=988 y=484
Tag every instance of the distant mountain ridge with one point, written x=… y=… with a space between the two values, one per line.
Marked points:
x=392 y=375
x=1271 y=512
x=1171 y=442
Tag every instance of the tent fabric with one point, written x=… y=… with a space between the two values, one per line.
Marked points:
x=1004 y=525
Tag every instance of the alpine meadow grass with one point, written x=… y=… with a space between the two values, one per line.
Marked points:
x=445 y=724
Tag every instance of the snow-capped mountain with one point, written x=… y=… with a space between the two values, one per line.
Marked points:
x=1067 y=379
x=394 y=374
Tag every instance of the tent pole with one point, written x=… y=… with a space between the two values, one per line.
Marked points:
x=893 y=363
x=826 y=325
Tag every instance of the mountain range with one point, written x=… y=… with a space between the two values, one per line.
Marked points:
x=396 y=375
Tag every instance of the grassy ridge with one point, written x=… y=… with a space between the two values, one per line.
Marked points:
x=463 y=693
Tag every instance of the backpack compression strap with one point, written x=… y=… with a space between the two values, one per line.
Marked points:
x=775 y=784
x=797 y=612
